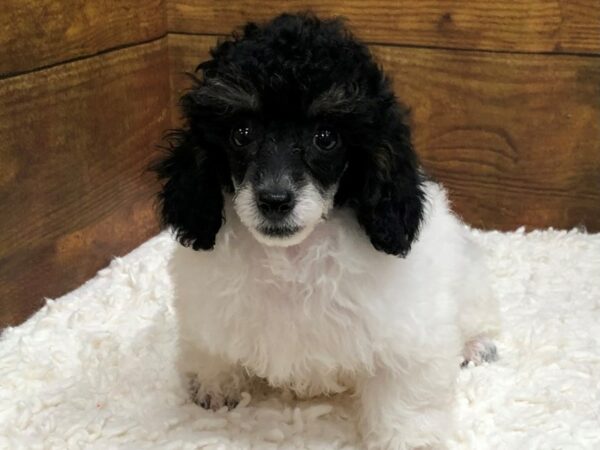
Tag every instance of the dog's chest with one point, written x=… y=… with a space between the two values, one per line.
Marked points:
x=294 y=317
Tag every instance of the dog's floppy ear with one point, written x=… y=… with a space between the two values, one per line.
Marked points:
x=390 y=202
x=191 y=198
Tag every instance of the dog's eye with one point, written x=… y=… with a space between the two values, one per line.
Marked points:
x=325 y=138
x=242 y=135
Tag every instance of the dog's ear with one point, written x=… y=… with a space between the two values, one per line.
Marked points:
x=191 y=199
x=389 y=200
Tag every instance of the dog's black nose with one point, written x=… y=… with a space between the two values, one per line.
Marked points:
x=275 y=204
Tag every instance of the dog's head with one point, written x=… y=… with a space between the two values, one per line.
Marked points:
x=294 y=118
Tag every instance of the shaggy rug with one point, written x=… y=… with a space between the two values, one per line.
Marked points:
x=94 y=369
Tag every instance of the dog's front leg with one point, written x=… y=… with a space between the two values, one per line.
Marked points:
x=213 y=381
x=409 y=407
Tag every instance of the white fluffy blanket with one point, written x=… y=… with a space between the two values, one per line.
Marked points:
x=94 y=369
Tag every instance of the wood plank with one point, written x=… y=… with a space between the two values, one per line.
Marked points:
x=76 y=140
x=38 y=33
x=515 y=138
x=509 y=25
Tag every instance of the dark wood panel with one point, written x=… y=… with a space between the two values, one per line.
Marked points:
x=510 y=25
x=36 y=33
x=75 y=142
x=185 y=52
x=515 y=138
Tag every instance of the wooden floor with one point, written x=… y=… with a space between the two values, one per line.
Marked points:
x=505 y=100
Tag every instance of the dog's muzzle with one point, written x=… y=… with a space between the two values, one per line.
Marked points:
x=276 y=203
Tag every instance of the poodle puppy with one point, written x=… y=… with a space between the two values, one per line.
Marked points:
x=335 y=264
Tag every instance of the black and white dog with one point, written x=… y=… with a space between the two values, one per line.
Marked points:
x=335 y=265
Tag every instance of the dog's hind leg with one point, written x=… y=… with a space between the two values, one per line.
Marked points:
x=479 y=323
x=478 y=350
x=479 y=315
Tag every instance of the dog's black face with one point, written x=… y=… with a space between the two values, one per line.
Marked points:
x=285 y=173
x=293 y=118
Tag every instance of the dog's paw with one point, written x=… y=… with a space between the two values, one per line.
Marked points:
x=479 y=350
x=212 y=399
x=215 y=402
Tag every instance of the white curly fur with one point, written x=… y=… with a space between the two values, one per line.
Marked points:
x=312 y=206
x=332 y=314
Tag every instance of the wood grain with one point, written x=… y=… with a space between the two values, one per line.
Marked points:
x=509 y=25
x=76 y=140
x=515 y=138
x=37 y=33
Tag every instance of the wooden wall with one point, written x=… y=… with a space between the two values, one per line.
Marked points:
x=84 y=98
x=505 y=99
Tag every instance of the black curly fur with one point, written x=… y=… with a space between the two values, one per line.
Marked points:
x=296 y=67
x=191 y=198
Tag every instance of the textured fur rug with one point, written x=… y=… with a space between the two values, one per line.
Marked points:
x=94 y=369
